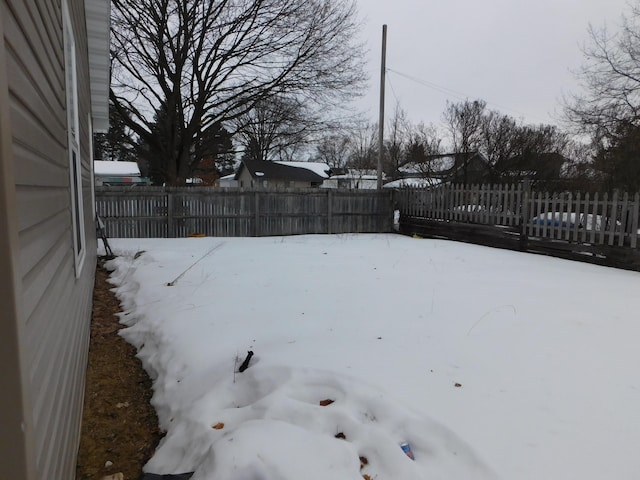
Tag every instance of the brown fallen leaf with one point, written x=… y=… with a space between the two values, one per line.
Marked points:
x=218 y=426
x=458 y=385
x=341 y=436
x=363 y=461
x=324 y=403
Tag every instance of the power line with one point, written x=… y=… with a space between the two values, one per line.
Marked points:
x=393 y=91
x=454 y=93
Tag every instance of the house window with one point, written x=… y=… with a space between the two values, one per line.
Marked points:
x=75 y=173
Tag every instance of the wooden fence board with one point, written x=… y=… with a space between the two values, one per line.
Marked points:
x=588 y=204
x=634 y=221
x=160 y=212
x=624 y=224
x=596 y=218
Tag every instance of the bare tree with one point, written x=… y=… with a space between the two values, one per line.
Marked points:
x=206 y=62
x=334 y=150
x=274 y=127
x=396 y=142
x=422 y=149
x=498 y=137
x=610 y=77
x=464 y=123
x=609 y=109
x=364 y=147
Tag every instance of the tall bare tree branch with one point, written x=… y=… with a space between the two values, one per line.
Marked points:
x=208 y=62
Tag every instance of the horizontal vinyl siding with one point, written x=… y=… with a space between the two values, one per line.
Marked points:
x=42 y=21
x=25 y=68
x=36 y=168
x=46 y=271
x=37 y=204
x=56 y=304
x=35 y=245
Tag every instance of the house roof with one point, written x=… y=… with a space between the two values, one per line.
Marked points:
x=116 y=169
x=97 y=18
x=319 y=168
x=289 y=171
x=440 y=165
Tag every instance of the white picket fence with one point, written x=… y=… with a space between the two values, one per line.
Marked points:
x=599 y=219
x=482 y=204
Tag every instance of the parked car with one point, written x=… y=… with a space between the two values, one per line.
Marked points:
x=568 y=220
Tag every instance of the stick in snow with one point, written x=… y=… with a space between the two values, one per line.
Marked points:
x=171 y=284
x=245 y=364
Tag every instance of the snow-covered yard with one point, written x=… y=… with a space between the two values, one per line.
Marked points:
x=490 y=363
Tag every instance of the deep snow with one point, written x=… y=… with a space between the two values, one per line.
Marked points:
x=490 y=363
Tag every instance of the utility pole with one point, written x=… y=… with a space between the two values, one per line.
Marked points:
x=381 y=119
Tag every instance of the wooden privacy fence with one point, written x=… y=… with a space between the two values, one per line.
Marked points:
x=165 y=212
x=564 y=224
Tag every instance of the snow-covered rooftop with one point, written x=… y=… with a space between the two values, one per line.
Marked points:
x=412 y=182
x=318 y=168
x=434 y=165
x=112 y=169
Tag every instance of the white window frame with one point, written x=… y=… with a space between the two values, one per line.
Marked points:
x=73 y=138
x=92 y=173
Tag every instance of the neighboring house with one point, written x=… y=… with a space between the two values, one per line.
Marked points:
x=352 y=178
x=228 y=181
x=54 y=65
x=266 y=174
x=118 y=173
x=466 y=168
x=536 y=167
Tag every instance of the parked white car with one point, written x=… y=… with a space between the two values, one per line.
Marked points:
x=566 y=219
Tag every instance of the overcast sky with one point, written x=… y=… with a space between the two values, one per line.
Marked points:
x=517 y=55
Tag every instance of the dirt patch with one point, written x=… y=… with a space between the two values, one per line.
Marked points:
x=119 y=426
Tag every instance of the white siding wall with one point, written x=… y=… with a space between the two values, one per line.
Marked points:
x=56 y=306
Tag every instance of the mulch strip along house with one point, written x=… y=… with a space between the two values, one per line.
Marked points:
x=54 y=65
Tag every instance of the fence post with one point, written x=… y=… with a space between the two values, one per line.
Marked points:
x=170 y=223
x=634 y=221
x=329 y=211
x=256 y=220
x=392 y=211
x=524 y=213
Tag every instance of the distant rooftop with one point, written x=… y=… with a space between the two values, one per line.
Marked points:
x=115 y=169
